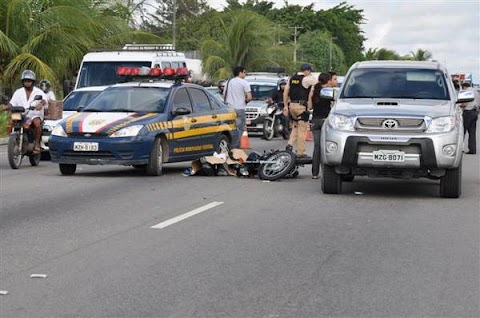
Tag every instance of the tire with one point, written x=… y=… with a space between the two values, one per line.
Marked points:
x=284 y=163
x=268 y=128
x=34 y=159
x=451 y=183
x=139 y=166
x=14 y=155
x=45 y=155
x=67 y=169
x=155 y=162
x=223 y=144
x=348 y=177
x=331 y=181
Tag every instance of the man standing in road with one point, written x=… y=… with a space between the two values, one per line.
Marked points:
x=237 y=94
x=296 y=96
x=470 y=116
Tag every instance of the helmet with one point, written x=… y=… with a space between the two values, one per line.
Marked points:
x=221 y=84
x=44 y=85
x=28 y=75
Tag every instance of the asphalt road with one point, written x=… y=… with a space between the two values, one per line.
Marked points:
x=383 y=248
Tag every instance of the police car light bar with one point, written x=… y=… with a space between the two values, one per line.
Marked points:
x=166 y=73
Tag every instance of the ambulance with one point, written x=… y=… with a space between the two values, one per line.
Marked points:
x=100 y=68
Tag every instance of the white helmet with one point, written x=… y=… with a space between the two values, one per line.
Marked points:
x=28 y=75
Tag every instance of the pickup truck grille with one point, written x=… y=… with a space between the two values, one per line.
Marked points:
x=251 y=113
x=404 y=124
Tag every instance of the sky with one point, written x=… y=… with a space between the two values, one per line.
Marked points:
x=449 y=29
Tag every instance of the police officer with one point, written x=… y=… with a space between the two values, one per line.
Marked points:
x=296 y=96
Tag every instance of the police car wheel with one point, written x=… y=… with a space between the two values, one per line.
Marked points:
x=155 y=162
x=67 y=169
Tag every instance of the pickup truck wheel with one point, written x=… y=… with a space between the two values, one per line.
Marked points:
x=155 y=163
x=451 y=183
x=67 y=169
x=331 y=181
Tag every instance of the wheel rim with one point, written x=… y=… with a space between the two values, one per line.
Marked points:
x=223 y=145
x=281 y=163
x=17 y=157
x=160 y=157
x=269 y=128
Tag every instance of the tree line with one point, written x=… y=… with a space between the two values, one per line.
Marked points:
x=51 y=36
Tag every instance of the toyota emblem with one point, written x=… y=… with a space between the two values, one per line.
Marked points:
x=390 y=124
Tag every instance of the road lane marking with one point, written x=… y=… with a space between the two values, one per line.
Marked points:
x=184 y=216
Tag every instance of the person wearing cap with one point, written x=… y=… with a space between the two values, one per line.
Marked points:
x=24 y=96
x=296 y=96
x=470 y=116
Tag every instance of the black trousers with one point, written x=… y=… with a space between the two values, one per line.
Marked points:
x=470 y=125
x=316 y=157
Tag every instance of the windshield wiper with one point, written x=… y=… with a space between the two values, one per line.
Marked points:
x=93 y=110
x=122 y=110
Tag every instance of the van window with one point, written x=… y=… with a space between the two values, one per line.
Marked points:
x=104 y=73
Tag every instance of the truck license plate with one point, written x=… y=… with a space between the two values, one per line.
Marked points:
x=85 y=146
x=389 y=156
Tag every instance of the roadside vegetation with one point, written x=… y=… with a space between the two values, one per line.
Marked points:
x=51 y=36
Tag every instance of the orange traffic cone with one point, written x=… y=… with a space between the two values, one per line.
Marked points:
x=244 y=143
x=309 y=136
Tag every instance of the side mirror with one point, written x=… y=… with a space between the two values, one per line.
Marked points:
x=181 y=111
x=328 y=93
x=465 y=96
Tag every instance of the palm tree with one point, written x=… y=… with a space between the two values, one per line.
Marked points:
x=245 y=39
x=50 y=37
x=421 y=55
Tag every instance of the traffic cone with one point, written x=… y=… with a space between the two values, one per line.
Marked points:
x=309 y=136
x=244 y=143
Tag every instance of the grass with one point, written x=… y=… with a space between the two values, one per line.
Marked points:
x=3 y=123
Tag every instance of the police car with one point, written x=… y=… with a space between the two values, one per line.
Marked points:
x=144 y=123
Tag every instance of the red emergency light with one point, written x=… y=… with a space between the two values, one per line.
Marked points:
x=167 y=73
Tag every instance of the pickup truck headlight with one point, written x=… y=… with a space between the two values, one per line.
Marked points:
x=341 y=122
x=59 y=131
x=263 y=110
x=130 y=131
x=441 y=124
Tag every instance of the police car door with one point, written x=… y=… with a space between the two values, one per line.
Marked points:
x=184 y=142
x=207 y=124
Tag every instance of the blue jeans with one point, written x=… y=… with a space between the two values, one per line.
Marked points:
x=241 y=125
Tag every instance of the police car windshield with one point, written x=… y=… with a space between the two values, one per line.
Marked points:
x=407 y=83
x=104 y=73
x=77 y=100
x=130 y=99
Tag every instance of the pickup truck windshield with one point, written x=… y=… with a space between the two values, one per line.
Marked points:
x=407 y=83
x=104 y=73
x=130 y=99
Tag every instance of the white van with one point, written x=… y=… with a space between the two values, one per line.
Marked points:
x=99 y=68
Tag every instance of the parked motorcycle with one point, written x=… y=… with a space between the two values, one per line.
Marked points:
x=275 y=123
x=22 y=140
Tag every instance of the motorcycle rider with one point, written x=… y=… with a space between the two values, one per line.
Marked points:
x=24 y=96
x=45 y=86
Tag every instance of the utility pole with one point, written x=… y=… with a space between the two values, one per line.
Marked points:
x=174 y=23
x=330 y=59
x=295 y=42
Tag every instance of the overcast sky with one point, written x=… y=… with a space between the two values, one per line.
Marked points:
x=449 y=29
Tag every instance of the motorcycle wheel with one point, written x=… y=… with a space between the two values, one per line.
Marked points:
x=34 y=159
x=14 y=155
x=283 y=163
x=268 y=128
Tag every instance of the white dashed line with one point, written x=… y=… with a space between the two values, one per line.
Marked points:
x=184 y=216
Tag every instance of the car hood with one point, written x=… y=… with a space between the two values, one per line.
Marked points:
x=106 y=123
x=393 y=107
x=257 y=103
x=65 y=114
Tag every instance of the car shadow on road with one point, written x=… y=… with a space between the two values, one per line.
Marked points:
x=422 y=188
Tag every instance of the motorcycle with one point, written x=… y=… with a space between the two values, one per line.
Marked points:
x=275 y=123
x=271 y=166
x=22 y=140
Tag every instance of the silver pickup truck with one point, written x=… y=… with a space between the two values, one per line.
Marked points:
x=397 y=119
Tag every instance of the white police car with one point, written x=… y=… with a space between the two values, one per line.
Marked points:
x=145 y=124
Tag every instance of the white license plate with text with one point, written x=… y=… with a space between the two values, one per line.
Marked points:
x=85 y=146
x=389 y=156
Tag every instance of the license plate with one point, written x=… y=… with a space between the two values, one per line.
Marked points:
x=389 y=156
x=16 y=116
x=85 y=146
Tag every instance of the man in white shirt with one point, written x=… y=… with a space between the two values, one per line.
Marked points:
x=24 y=96
x=470 y=116
x=237 y=94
